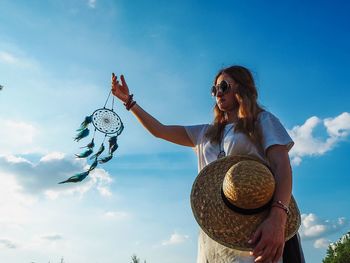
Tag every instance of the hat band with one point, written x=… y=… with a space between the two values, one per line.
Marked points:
x=244 y=211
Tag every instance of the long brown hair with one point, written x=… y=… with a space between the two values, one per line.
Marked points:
x=248 y=106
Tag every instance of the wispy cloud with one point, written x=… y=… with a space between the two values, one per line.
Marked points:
x=313 y=228
x=52 y=157
x=308 y=144
x=8 y=58
x=52 y=237
x=12 y=59
x=175 y=239
x=18 y=136
x=6 y=243
x=116 y=215
x=92 y=3
x=338 y=126
x=14 y=204
x=43 y=177
x=322 y=243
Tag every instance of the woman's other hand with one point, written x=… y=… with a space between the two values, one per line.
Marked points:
x=120 y=90
x=269 y=237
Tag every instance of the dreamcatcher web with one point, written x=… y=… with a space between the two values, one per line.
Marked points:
x=107 y=121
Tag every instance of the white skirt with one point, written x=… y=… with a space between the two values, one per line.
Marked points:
x=210 y=251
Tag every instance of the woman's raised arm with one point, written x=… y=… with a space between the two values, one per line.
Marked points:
x=172 y=133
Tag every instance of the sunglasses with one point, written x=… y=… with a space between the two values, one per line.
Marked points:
x=224 y=87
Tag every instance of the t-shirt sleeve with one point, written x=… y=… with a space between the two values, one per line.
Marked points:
x=196 y=132
x=273 y=132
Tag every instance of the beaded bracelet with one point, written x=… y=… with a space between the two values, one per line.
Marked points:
x=130 y=102
x=129 y=99
x=131 y=105
x=279 y=204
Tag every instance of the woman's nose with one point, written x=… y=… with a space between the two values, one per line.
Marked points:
x=219 y=93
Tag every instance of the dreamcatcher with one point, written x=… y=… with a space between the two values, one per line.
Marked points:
x=107 y=122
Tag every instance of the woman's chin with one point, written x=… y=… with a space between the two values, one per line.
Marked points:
x=224 y=107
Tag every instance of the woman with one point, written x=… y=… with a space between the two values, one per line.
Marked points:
x=242 y=127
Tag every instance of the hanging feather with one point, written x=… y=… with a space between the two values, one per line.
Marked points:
x=93 y=165
x=86 y=122
x=113 y=148
x=113 y=144
x=76 y=178
x=100 y=150
x=84 y=154
x=105 y=159
x=90 y=145
x=112 y=140
x=82 y=134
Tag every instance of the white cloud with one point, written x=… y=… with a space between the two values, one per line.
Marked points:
x=14 y=204
x=116 y=215
x=49 y=242
x=98 y=179
x=102 y=179
x=16 y=159
x=43 y=177
x=92 y=3
x=52 y=157
x=6 y=243
x=52 y=237
x=314 y=228
x=338 y=126
x=8 y=58
x=322 y=243
x=17 y=137
x=11 y=59
x=307 y=144
x=175 y=239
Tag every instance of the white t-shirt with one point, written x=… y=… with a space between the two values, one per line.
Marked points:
x=234 y=143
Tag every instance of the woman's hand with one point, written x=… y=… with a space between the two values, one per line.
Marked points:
x=269 y=237
x=121 y=91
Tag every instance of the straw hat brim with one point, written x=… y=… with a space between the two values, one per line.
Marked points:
x=217 y=220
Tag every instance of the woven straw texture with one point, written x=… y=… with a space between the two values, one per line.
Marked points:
x=218 y=221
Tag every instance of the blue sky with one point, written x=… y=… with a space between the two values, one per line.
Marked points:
x=56 y=58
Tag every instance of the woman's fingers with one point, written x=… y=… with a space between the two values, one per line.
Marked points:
x=114 y=77
x=120 y=89
x=123 y=86
x=124 y=82
x=257 y=234
x=114 y=83
x=261 y=244
x=278 y=254
x=267 y=255
x=266 y=246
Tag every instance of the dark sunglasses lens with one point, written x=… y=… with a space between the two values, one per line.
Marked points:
x=213 y=91
x=223 y=86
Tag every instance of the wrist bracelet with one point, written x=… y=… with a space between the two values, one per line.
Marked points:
x=129 y=99
x=279 y=204
x=130 y=102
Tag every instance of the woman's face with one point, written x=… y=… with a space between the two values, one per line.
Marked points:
x=227 y=101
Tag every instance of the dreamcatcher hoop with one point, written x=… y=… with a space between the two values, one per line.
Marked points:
x=107 y=121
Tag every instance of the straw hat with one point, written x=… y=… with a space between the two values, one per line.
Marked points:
x=232 y=196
